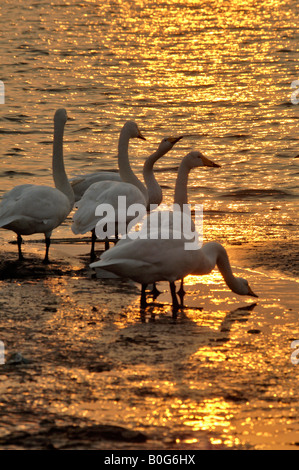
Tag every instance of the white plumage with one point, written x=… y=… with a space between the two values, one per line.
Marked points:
x=132 y=189
x=29 y=209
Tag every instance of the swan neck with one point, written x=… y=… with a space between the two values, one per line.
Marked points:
x=125 y=171
x=180 y=193
x=59 y=175
x=153 y=188
x=224 y=267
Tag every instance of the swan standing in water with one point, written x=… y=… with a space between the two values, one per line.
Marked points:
x=29 y=209
x=108 y=192
x=147 y=261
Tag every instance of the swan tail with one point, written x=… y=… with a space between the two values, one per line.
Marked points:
x=84 y=220
x=5 y=221
x=121 y=267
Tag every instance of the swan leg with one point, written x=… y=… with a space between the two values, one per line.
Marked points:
x=93 y=240
x=116 y=239
x=181 y=292
x=175 y=303
x=19 y=239
x=48 y=243
x=155 y=292
x=143 y=302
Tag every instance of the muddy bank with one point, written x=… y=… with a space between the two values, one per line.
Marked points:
x=278 y=255
x=93 y=371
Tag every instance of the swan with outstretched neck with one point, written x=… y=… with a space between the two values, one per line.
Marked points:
x=134 y=191
x=29 y=209
x=147 y=261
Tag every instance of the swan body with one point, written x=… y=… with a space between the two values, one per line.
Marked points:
x=81 y=183
x=104 y=192
x=29 y=209
x=108 y=192
x=148 y=261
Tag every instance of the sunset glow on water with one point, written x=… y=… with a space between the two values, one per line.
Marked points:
x=220 y=73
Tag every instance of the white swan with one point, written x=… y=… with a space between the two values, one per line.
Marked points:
x=107 y=192
x=155 y=221
x=28 y=209
x=81 y=183
x=192 y=160
x=147 y=261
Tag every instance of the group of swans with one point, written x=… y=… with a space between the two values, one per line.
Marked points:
x=130 y=187
x=29 y=209
x=148 y=260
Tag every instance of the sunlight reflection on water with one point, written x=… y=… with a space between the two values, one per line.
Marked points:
x=220 y=72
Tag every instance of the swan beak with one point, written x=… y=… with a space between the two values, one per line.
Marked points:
x=140 y=136
x=250 y=292
x=174 y=140
x=208 y=162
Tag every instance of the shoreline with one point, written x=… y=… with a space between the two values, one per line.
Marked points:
x=95 y=372
x=272 y=256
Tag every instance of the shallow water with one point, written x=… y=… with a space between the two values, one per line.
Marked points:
x=220 y=72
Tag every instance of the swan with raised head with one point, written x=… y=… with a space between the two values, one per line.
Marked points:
x=81 y=183
x=29 y=209
x=156 y=221
x=108 y=192
x=147 y=261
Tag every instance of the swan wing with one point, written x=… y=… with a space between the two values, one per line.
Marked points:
x=148 y=260
x=105 y=192
x=81 y=183
x=28 y=209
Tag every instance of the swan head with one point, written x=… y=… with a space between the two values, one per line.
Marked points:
x=60 y=116
x=196 y=158
x=167 y=143
x=133 y=131
x=243 y=288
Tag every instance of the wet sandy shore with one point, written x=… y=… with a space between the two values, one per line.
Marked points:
x=93 y=371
